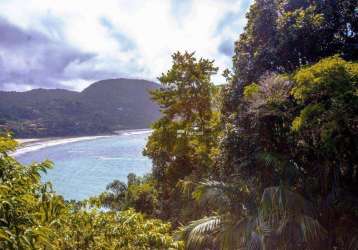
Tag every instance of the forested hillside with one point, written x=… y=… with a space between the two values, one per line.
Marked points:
x=267 y=161
x=103 y=107
x=273 y=164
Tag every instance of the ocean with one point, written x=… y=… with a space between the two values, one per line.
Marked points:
x=84 y=166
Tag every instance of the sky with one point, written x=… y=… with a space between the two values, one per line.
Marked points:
x=73 y=43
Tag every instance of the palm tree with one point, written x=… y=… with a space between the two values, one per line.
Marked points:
x=282 y=220
x=116 y=196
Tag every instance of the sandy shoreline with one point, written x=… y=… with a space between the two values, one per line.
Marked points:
x=32 y=144
x=24 y=141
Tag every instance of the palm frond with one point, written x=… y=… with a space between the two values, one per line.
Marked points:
x=352 y=244
x=312 y=230
x=285 y=220
x=238 y=233
x=222 y=232
x=198 y=234
x=186 y=186
x=292 y=217
x=280 y=202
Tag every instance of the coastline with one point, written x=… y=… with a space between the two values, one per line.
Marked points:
x=27 y=145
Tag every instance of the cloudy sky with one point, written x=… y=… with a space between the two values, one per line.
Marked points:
x=73 y=43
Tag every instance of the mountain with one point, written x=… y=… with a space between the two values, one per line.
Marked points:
x=103 y=107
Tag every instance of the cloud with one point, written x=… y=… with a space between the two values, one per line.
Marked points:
x=226 y=47
x=30 y=59
x=69 y=44
x=124 y=42
x=180 y=8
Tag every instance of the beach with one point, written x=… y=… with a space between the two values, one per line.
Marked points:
x=29 y=145
x=32 y=144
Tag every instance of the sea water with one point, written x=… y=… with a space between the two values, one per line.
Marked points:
x=83 y=167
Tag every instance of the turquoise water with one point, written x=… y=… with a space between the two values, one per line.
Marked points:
x=84 y=168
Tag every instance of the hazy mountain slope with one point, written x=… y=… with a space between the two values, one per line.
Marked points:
x=103 y=107
x=133 y=109
x=32 y=104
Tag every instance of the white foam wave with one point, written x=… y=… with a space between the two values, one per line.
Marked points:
x=107 y=158
x=52 y=142
x=147 y=131
x=75 y=151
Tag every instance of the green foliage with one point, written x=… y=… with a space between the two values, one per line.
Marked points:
x=307 y=114
x=286 y=176
x=139 y=194
x=297 y=128
x=251 y=89
x=184 y=139
x=327 y=90
x=271 y=91
x=285 y=220
x=7 y=144
x=93 y=229
x=22 y=225
x=32 y=216
x=331 y=77
x=281 y=36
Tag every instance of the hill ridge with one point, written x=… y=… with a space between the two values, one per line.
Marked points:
x=103 y=107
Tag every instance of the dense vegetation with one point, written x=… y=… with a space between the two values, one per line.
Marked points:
x=287 y=172
x=103 y=107
x=34 y=217
x=281 y=168
x=268 y=161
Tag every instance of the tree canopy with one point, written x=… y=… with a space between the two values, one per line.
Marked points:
x=32 y=216
x=184 y=137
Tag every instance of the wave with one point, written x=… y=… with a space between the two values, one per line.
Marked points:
x=76 y=151
x=108 y=158
x=40 y=144
x=136 y=132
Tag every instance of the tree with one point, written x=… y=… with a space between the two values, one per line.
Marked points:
x=287 y=178
x=273 y=136
x=184 y=137
x=281 y=36
x=139 y=194
x=24 y=221
x=327 y=140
